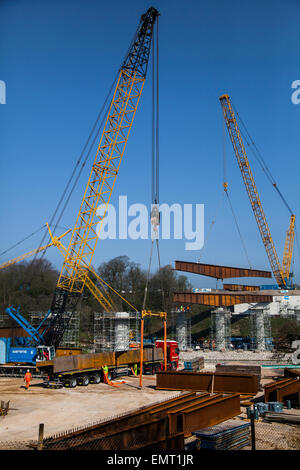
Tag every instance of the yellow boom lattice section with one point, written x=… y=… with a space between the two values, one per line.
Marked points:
x=288 y=248
x=101 y=181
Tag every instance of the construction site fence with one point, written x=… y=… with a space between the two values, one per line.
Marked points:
x=155 y=436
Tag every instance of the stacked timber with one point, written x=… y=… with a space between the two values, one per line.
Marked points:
x=225 y=436
x=194 y=365
x=285 y=418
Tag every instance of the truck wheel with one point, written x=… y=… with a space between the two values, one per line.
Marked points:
x=73 y=382
x=85 y=380
x=96 y=378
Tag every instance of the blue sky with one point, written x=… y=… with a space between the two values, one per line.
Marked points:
x=58 y=60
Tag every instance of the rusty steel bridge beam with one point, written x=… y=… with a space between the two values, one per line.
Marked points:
x=215 y=299
x=131 y=418
x=149 y=430
x=213 y=410
x=239 y=287
x=277 y=391
x=139 y=436
x=219 y=272
x=146 y=428
x=208 y=382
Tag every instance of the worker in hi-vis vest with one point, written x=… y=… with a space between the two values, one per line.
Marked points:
x=105 y=371
x=135 y=369
x=27 y=378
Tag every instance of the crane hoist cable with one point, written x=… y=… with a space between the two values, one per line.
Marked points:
x=212 y=224
x=24 y=239
x=225 y=187
x=225 y=192
x=292 y=231
x=84 y=155
x=256 y=152
x=238 y=228
x=155 y=166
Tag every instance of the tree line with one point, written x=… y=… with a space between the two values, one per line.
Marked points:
x=31 y=284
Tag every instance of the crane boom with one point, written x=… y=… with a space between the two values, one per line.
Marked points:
x=33 y=252
x=240 y=153
x=74 y=273
x=288 y=248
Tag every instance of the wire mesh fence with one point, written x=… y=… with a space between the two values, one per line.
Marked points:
x=275 y=436
x=156 y=436
x=18 y=445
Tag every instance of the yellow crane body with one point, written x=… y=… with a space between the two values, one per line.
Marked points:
x=243 y=162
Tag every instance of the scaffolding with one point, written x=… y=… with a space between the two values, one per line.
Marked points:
x=181 y=328
x=261 y=330
x=220 y=330
x=3 y=319
x=116 y=331
x=70 y=338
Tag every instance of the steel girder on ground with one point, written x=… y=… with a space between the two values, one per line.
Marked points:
x=159 y=426
x=208 y=382
x=283 y=390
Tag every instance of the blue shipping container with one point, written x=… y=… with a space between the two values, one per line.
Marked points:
x=23 y=355
x=269 y=287
x=4 y=349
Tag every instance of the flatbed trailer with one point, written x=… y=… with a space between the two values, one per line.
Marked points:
x=18 y=370
x=82 y=369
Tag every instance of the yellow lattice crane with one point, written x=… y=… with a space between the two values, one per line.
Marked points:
x=79 y=253
x=280 y=272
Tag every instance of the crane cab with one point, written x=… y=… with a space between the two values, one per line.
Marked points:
x=45 y=353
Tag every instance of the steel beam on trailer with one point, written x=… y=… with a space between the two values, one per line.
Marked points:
x=219 y=272
x=213 y=299
x=208 y=382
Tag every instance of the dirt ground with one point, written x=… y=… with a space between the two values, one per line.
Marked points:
x=64 y=409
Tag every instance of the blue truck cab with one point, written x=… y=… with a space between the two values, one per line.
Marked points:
x=29 y=355
x=22 y=355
